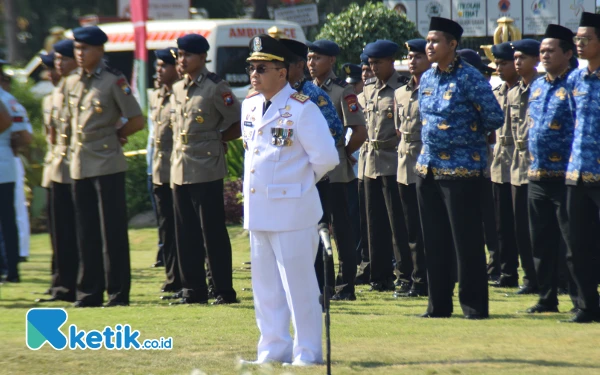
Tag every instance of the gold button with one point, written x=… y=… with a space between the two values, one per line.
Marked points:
x=187 y=98
x=80 y=126
x=183 y=148
x=80 y=144
x=256 y=151
x=379 y=97
x=208 y=153
x=406 y=152
x=252 y=170
x=408 y=117
x=252 y=191
x=105 y=146
x=260 y=132
x=63 y=154
x=185 y=115
x=82 y=108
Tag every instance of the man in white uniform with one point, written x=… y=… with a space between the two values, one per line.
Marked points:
x=288 y=149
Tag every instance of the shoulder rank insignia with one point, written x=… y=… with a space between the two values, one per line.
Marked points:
x=122 y=83
x=213 y=77
x=252 y=94
x=340 y=82
x=300 y=97
x=371 y=81
x=403 y=80
x=227 y=98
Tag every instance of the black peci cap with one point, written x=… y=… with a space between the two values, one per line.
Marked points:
x=446 y=25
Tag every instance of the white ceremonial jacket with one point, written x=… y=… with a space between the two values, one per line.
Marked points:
x=288 y=150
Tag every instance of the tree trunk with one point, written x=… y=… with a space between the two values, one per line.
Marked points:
x=260 y=10
x=10 y=31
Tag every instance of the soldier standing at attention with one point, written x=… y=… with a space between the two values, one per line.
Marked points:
x=450 y=170
x=500 y=170
x=387 y=230
x=207 y=114
x=527 y=58
x=408 y=128
x=583 y=172
x=551 y=126
x=289 y=148
x=333 y=189
x=98 y=96
x=62 y=213
x=162 y=116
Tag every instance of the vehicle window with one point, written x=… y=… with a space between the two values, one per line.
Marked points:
x=231 y=65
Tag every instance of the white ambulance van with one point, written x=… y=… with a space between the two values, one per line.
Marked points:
x=228 y=39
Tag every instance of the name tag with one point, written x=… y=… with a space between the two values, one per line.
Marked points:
x=248 y=123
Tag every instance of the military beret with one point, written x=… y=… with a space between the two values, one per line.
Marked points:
x=193 y=43
x=529 y=47
x=353 y=72
x=589 y=20
x=295 y=47
x=446 y=25
x=48 y=59
x=324 y=47
x=473 y=58
x=266 y=48
x=92 y=35
x=503 y=51
x=364 y=59
x=416 y=45
x=167 y=55
x=65 y=48
x=381 y=48
x=559 y=32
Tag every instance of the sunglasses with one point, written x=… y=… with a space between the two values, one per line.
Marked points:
x=584 y=40
x=261 y=69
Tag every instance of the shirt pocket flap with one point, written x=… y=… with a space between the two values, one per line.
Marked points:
x=283 y=191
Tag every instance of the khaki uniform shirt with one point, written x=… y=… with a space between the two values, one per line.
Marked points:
x=408 y=122
x=382 y=150
x=203 y=108
x=518 y=102
x=61 y=122
x=350 y=113
x=363 y=148
x=505 y=145
x=46 y=118
x=97 y=101
x=162 y=115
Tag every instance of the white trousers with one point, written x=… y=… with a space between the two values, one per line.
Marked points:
x=285 y=288
x=21 y=209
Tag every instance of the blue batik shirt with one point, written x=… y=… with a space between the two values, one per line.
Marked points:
x=551 y=124
x=585 y=153
x=458 y=110
x=316 y=95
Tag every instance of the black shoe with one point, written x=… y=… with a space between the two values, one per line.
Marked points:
x=493 y=278
x=188 y=301
x=159 y=263
x=170 y=289
x=504 y=282
x=177 y=295
x=410 y=294
x=538 y=308
x=224 y=301
x=12 y=279
x=562 y=291
x=22 y=259
x=476 y=317
x=344 y=296
x=115 y=304
x=583 y=317
x=574 y=310
x=430 y=315
x=361 y=280
x=42 y=300
x=382 y=287
x=526 y=289
x=403 y=286
x=80 y=304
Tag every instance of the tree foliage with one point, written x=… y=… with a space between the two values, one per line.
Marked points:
x=356 y=26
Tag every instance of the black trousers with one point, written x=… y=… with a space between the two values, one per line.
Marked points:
x=200 y=217
x=334 y=200
x=50 y=225
x=410 y=206
x=66 y=251
x=387 y=231
x=582 y=207
x=505 y=227
x=101 y=222
x=160 y=256
x=354 y=214
x=163 y=196
x=451 y=215
x=10 y=233
x=523 y=240
x=490 y=227
x=364 y=272
x=548 y=222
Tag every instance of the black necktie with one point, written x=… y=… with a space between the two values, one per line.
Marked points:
x=266 y=106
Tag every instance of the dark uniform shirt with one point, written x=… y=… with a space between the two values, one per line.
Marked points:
x=585 y=155
x=458 y=109
x=551 y=125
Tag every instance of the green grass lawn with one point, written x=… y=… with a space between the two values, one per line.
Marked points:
x=377 y=334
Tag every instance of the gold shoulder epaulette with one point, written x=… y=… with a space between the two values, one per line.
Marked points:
x=300 y=97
